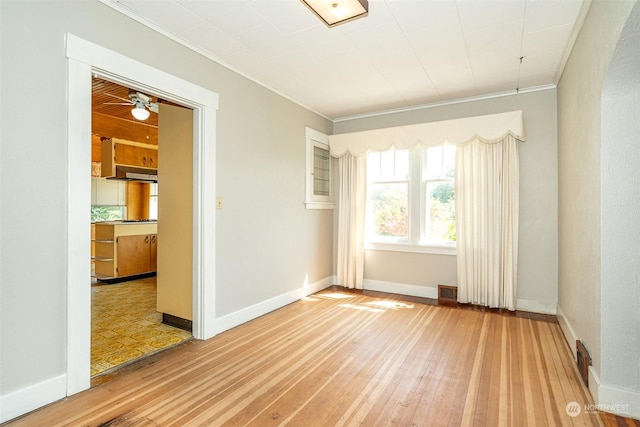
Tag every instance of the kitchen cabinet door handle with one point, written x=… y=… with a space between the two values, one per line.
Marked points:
x=144 y=160
x=146 y=239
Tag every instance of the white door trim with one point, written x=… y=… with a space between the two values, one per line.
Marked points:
x=84 y=59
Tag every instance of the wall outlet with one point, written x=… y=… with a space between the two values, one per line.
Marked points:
x=219 y=203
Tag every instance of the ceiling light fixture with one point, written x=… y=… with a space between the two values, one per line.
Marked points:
x=336 y=12
x=139 y=112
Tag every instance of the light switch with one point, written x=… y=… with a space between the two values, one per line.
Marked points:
x=219 y=203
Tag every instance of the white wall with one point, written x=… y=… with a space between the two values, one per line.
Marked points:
x=579 y=160
x=267 y=243
x=538 y=250
x=620 y=230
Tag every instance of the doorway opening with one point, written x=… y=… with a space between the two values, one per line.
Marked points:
x=84 y=60
x=125 y=322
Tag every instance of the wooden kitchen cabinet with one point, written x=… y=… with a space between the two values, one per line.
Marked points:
x=154 y=252
x=93 y=245
x=134 y=255
x=125 y=249
x=127 y=153
x=135 y=156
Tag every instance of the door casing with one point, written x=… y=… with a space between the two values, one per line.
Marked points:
x=85 y=59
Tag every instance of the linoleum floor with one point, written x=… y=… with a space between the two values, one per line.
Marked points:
x=125 y=325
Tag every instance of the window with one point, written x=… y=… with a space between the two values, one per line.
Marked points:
x=153 y=200
x=106 y=213
x=438 y=166
x=321 y=170
x=411 y=199
x=388 y=196
x=319 y=183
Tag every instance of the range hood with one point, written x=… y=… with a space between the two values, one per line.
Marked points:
x=128 y=173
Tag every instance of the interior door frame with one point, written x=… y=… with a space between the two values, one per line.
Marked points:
x=85 y=59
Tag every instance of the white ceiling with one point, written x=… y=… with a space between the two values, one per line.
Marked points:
x=405 y=53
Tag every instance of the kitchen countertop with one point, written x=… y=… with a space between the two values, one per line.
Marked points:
x=125 y=222
x=109 y=230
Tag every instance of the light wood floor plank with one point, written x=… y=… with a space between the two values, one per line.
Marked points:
x=345 y=359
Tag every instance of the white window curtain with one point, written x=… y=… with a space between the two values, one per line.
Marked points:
x=351 y=212
x=486 y=188
x=481 y=254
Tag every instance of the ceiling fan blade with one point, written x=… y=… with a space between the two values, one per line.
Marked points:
x=118 y=103
x=153 y=106
x=119 y=97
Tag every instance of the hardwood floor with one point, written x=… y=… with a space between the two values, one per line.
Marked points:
x=343 y=359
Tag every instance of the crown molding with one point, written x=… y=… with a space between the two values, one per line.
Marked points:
x=444 y=103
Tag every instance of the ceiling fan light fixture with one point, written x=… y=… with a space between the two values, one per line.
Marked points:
x=139 y=112
x=336 y=12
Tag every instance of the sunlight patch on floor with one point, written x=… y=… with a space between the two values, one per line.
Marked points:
x=335 y=295
x=391 y=305
x=363 y=308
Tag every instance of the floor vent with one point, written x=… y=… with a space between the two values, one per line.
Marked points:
x=447 y=295
x=584 y=361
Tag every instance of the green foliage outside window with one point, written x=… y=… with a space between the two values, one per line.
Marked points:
x=106 y=213
x=390 y=209
x=442 y=211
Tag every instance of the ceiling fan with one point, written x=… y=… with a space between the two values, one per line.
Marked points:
x=142 y=104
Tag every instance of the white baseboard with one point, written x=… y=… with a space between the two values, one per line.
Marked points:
x=432 y=292
x=401 y=288
x=567 y=331
x=608 y=399
x=594 y=383
x=617 y=401
x=25 y=400
x=534 y=306
x=244 y=315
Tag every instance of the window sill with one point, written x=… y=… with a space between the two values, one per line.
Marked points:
x=319 y=205
x=412 y=248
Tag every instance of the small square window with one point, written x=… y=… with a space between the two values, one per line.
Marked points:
x=319 y=182
x=321 y=171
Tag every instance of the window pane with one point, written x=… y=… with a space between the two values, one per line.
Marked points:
x=373 y=167
x=391 y=165
x=389 y=209
x=320 y=171
x=106 y=213
x=439 y=162
x=441 y=213
x=449 y=160
x=402 y=165
x=153 y=207
x=433 y=165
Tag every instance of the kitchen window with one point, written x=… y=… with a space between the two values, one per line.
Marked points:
x=153 y=200
x=107 y=213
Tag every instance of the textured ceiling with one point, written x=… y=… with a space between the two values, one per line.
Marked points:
x=406 y=53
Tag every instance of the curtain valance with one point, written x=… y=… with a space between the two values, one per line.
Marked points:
x=490 y=128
